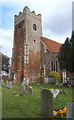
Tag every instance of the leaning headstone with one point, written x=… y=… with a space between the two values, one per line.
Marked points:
x=30 y=90
x=55 y=92
x=46 y=103
x=70 y=111
x=23 y=91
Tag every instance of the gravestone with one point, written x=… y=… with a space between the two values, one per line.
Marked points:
x=23 y=91
x=10 y=85
x=55 y=92
x=49 y=80
x=2 y=83
x=70 y=111
x=46 y=79
x=72 y=82
x=30 y=90
x=7 y=84
x=26 y=83
x=46 y=103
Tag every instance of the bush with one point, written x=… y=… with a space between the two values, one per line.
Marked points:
x=41 y=78
x=55 y=74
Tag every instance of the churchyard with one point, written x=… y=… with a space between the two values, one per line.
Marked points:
x=27 y=105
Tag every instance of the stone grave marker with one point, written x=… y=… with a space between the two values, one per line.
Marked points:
x=46 y=103
x=30 y=90
x=70 y=111
x=10 y=85
x=23 y=90
x=2 y=83
x=7 y=84
x=55 y=92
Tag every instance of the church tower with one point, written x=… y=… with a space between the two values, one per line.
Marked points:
x=26 y=46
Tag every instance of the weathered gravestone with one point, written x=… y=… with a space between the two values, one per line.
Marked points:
x=30 y=90
x=55 y=92
x=46 y=104
x=2 y=83
x=10 y=85
x=72 y=82
x=7 y=84
x=70 y=111
x=23 y=90
x=49 y=80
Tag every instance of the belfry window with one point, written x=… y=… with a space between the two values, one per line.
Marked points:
x=19 y=26
x=34 y=41
x=34 y=27
x=54 y=65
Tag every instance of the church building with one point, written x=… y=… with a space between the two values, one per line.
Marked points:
x=32 y=54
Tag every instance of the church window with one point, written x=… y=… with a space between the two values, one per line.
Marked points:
x=14 y=76
x=34 y=27
x=54 y=65
x=19 y=26
x=42 y=70
x=34 y=41
x=51 y=65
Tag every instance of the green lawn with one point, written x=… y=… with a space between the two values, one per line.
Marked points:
x=28 y=106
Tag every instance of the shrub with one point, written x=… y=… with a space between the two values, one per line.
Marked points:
x=55 y=74
x=41 y=78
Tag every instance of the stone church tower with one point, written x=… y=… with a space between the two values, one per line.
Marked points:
x=26 y=47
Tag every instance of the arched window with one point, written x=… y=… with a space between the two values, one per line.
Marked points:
x=19 y=26
x=34 y=27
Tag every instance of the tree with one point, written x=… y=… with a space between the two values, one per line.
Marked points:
x=72 y=49
x=65 y=55
x=5 y=63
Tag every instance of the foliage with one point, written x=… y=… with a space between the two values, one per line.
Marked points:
x=72 y=49
x=66 y=54
x=41 y=78
x=55 y=74
x=60 y=113
x=5 y=63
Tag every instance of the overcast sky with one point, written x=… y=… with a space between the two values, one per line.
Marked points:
x=56 y=19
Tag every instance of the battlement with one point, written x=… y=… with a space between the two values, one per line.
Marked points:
x=26 y=11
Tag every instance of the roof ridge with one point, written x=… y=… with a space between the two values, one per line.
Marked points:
x=51 y=45
x=51 y=40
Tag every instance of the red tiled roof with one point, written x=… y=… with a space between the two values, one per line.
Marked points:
x=51 y=46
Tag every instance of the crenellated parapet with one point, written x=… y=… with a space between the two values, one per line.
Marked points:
x=22 y=15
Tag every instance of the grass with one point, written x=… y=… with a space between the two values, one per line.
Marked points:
x=28 y=106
